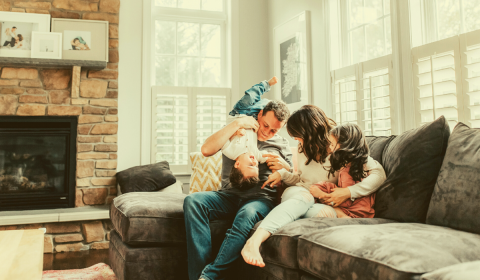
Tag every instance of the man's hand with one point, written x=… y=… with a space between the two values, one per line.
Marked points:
x=276 y=162
x=337 y=196
x=273 y=180
x=247 y=123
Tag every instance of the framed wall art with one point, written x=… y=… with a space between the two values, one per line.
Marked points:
x=47 y=45
x=292 y=61
x=82 y=39
x=16 y=32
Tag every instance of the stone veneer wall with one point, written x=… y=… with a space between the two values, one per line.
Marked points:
x=47 y=92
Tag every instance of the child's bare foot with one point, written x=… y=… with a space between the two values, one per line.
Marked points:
x=251 y=254
x=273 y=81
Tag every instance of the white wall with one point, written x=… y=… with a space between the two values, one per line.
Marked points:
x=129 y=84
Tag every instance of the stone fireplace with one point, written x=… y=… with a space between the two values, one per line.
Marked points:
x=44 y=93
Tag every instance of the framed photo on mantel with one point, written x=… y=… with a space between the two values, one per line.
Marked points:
x=16 y=32
x=83 y=39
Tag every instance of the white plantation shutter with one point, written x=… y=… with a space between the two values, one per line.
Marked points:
x=437 y=80
x=362 y=95
x=184 y=119
x=345 y=95
x=470 y=59
x=376 y=96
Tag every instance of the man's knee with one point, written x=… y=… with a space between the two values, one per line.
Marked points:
x=251 y=214
x=192 y=201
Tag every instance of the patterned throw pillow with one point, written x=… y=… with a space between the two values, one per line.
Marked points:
x=206 y=175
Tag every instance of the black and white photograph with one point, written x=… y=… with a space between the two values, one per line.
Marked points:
x=77 y=40
x=47 y=45
x=289 y=57
x=16 y=35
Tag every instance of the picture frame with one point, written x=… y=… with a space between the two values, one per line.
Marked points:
x=292 y=61
x=82 y=39
x=16 y=32
x=47 y=45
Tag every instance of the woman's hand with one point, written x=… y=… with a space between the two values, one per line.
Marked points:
x=276 y=162
x=247 y=123
x=273 y=180
x=316 y=192
x=337 y=196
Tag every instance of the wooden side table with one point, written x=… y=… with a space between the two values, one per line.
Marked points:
x=21 y=254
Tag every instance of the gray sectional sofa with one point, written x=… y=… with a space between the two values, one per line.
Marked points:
x=427 y=223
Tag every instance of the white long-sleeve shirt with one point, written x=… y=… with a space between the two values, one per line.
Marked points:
x=316 y=172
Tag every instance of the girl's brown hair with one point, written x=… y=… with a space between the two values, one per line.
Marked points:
x=353 y=149
x=312 y=125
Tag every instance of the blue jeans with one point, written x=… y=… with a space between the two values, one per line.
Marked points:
x=251 y=103
x=202 y=207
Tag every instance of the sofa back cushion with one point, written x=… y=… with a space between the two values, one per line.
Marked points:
x=456 y=198
x=411 y=161
x=377 y=145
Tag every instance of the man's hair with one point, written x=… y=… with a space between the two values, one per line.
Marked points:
x=279 y=108
x=76 y=39
x=238 y=181
x=14 y=27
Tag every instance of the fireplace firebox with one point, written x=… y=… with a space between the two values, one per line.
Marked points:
x=37 y=162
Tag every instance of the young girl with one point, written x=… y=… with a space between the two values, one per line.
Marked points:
x=350 y=154
x=310 y=126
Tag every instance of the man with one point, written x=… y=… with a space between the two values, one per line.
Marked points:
x=11 y=36
x=247 y=207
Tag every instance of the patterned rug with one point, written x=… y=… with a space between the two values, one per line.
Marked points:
x=99 y=271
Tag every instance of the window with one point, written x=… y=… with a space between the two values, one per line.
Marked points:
x=184 y=118
x=189 y=45
x=362 y=95
x=188 y=65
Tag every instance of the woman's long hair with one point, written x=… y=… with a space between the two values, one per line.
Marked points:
x=312 y=125
x=353 y=149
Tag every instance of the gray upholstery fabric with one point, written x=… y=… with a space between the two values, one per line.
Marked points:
x=386 y=251
x=411 y=161
x=145 y=217
x=308 y=277
x=455 y=201
x=152 y=263
x=281 y=247
x=462 y=271
x=377 y=145
x=271 y=272
x=146 y=178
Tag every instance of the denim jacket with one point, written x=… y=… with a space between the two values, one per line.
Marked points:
x=251 y=103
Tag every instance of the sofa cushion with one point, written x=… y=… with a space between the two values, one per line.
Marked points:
x=462 y=271
x=377 y=145
x=411 y=161
x=281 y=247
x=456 y=196
x=143 y=217
x=146 y=178
x=146 y=263
x=386 y=251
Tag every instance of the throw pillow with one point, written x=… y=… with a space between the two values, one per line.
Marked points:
x=146 y=178
x=206 y=175
x=377 y=145
x=455 y=199
x=411 y=161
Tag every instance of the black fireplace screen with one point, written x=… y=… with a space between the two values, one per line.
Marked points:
x=37 y=162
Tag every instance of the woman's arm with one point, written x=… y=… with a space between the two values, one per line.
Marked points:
x=373 y=181
x=290 y=179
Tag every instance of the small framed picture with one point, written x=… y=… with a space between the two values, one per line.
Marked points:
x=82 y=39
x=16 y=32
x=47 y=45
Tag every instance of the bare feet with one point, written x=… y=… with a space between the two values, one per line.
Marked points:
x=251 y=254
x=273 y=81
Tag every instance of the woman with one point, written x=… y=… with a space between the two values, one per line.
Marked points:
x=310 y=127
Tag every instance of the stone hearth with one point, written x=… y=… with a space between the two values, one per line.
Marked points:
x=48 y=92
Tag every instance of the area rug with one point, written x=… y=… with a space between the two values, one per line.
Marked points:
x=99 y=271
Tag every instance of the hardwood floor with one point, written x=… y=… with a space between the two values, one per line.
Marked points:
x=74 y=260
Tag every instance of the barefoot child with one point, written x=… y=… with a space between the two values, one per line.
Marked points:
x=350 y=153
x=242 y=146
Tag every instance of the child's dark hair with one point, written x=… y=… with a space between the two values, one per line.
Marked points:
x=20 y=37
x=312 y=125
x=353 y=149
x=238 y=181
